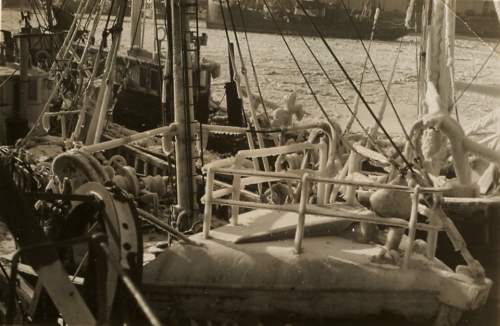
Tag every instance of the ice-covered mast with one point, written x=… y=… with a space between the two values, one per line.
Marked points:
x=182 y=100
x=438 y=90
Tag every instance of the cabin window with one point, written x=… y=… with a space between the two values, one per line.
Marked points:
x=143 y=77
x=32 y=90
x=154 y=80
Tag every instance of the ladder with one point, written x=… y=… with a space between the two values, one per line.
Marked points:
x=190 y=53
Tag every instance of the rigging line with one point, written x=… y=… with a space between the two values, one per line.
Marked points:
x=376 y=72
x=158 y=50
x=225 y=23
x=35 y=8
x=417 y=69
x=365 y=64
x=477 y=74
x=467 y=25
x=399 y=152
x=254 y=118
x=87 y=22
x=60 y=8
x=307 y=82
x=109 y=14
x=252 y=63
x=369 y=136
x=237 y=41
x=39 y=119
x=235 y=77
x=232 y=58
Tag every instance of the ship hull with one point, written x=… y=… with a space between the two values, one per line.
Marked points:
x=334 y=277
x=331 y=27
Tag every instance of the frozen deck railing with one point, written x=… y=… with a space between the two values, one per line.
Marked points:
x=243 y=177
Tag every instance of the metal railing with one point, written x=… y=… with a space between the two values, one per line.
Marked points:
x=304 y=178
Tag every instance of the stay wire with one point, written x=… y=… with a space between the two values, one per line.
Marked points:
x=236 y=40
x=338 y=91
x=158 y=47
x=37 y=122
x=236 y=78
x=476 y=75
x=306 y=81
x=36 y=8
x=252 y=63
x=60 y=8
x=467 y=25
x=376 y=72
x=399 y=152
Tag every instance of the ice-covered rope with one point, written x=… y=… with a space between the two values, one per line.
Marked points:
x=384 y=100
x=418 y=59
x=353 y=85
x=250 y=140
x=252 y=64
x=374 y=69
x=482 y=123
x=88 y=88
x=260 y=138
x=97 y=11
x=409 y=12
x=105 y=93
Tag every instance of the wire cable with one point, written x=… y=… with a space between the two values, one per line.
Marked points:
x=376 y=72
x=252 y=63
x=399 y=152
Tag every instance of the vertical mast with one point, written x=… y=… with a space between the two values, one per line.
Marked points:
x=136 y=26
x=183 y=100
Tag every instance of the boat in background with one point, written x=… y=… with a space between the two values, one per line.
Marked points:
x=45 y=40
x=331 y=19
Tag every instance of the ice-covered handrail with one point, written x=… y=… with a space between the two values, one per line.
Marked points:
x=304 y=207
